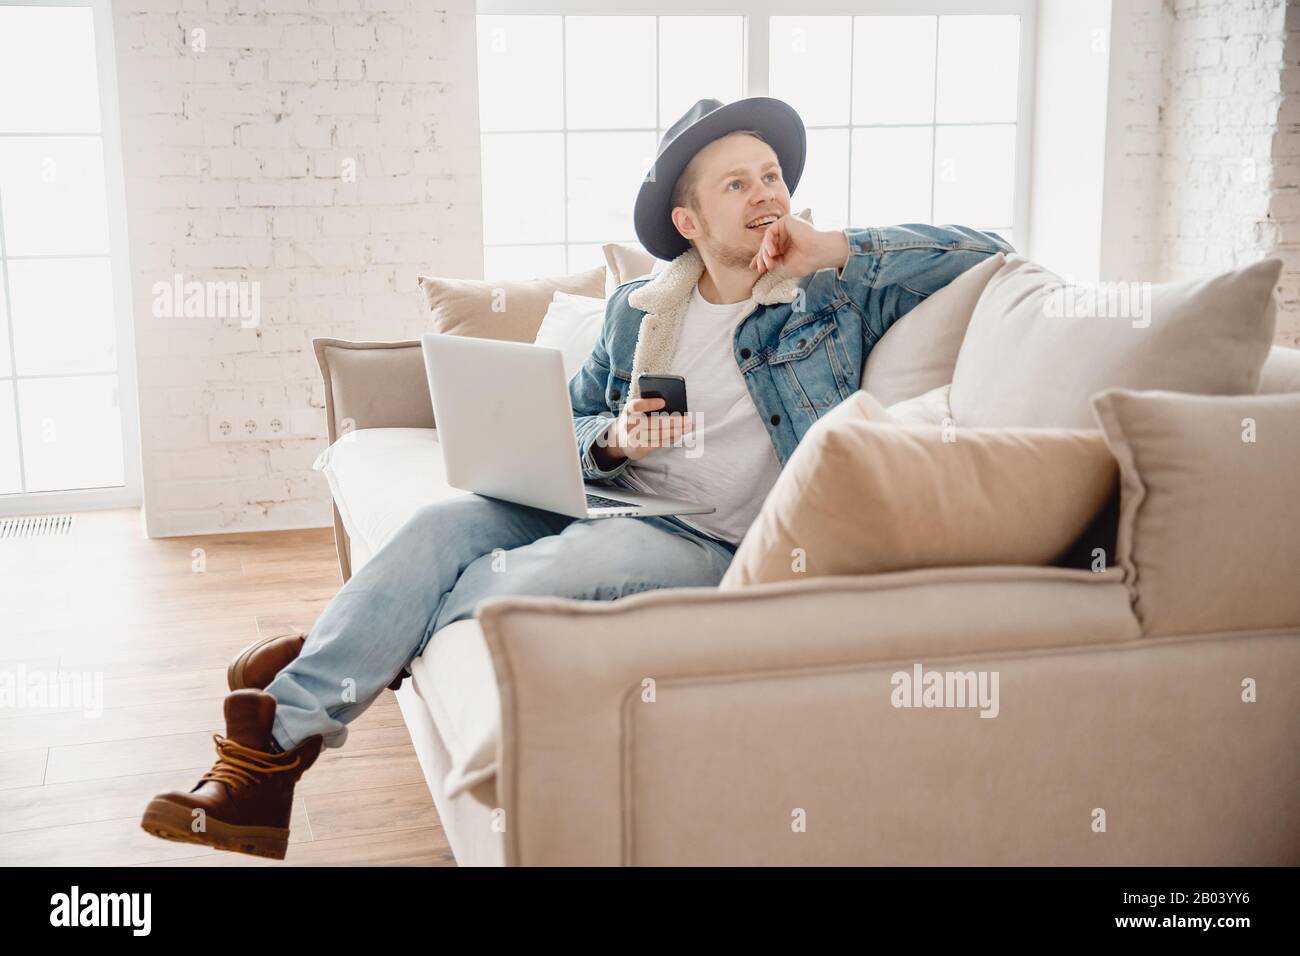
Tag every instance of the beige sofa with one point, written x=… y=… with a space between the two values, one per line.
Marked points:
x=754 y=726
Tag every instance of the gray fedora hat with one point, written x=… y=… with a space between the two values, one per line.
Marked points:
x=704 y=122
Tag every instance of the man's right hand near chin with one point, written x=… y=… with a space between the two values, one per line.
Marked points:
x=636 y=433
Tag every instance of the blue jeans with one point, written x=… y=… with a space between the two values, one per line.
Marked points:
x=448 y=557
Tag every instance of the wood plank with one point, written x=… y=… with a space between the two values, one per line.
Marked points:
x=160 y=632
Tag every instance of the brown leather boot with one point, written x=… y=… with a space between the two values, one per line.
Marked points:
x=257 y=664
x=242 y=804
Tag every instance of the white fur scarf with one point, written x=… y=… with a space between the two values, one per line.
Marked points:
x=665 y=298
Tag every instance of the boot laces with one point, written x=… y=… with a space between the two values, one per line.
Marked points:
x=238 y=765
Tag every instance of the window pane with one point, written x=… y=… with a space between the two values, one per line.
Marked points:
x=608 y=73
x=975 y=170
x=71 y=431
x=523 y=194
x=48 y=54
x=523 y=262
x=605 y=171
x=54 y=196
x=10 y=477
x=62 y=315
x=901 y=48
x=6 y=367
x=979 y=62
x=714 y=48
x=891 y=175
x=586 y=255
x=520 y=75
x=809 y=67
x=824 y=187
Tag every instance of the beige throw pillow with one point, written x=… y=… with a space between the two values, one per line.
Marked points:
x=1036 y=350
x=1209 y=524
x=862 y=495
x=508 y=309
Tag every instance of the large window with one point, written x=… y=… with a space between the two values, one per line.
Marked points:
x=916 y=112
x=572 y=109
x=61 y=374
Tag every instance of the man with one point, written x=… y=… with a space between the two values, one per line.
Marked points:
x=768 y=319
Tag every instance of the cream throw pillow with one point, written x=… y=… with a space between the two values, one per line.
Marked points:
x=1035 y=352
x=1209 y=524
x=862 y=495
x=506 y=309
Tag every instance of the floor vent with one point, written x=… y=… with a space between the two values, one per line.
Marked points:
x=35 y=526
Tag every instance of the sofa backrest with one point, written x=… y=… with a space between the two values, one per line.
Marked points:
x=1281 y=371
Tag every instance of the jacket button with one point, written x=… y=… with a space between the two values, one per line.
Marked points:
x=744 y=353
x=614 y=395
x=801 y=343
x=776 y=419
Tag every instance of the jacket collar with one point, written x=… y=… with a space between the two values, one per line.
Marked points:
x=665 y=299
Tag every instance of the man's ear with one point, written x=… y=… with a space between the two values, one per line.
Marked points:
x=686 y=222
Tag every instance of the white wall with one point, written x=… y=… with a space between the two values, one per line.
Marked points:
x=1071 y=63
x=234 y=158
x=1202 y=169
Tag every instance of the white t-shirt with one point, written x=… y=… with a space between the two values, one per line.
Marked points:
x=729 y=461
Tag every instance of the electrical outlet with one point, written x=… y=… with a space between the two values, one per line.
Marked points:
x=256 y=424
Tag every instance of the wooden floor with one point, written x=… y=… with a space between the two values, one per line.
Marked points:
x=106 y=600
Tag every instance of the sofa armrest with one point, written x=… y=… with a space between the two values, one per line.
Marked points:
x=370 y=385
x=574 y=677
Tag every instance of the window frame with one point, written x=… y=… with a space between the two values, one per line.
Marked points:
x=128 y=494
x=756 y=61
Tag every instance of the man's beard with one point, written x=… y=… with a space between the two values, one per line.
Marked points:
x=727 y=256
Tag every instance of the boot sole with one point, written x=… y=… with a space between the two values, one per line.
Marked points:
x=171 y=821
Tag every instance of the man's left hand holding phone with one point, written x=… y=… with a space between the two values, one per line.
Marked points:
x=638 y=430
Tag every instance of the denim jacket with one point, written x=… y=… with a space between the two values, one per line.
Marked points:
x=801 y=344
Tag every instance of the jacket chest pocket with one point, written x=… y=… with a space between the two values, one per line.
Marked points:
x=810 y=359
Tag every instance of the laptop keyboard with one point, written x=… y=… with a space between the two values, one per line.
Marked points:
x=597 y=501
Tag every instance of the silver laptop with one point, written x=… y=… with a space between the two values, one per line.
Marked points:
x=505 y=425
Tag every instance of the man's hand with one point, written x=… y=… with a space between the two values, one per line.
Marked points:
x=635 y=433
x=800 y=248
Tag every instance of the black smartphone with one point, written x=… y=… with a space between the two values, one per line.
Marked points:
x=671 y=388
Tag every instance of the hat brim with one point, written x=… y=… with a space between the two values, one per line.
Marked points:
x=780 y=125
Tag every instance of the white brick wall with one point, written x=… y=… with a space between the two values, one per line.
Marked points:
x=234 y=156
x=1205 y=132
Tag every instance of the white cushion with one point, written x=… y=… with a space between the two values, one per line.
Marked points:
x=458 y=684
x=1036 y=351
x=572 y=325
x=919 y=352
x=380 y=477
x=928 y=409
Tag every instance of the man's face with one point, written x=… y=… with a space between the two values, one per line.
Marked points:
x=739 y=181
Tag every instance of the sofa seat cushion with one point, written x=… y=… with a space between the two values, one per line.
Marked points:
x=456 y=681
x=380 y=477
